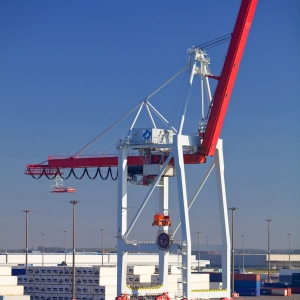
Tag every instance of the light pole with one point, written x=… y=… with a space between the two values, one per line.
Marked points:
x=243 y=251
x=43 y=234
x=74 y=202
x=289 y=234
x=199 y=250
x=207 y=240
x=269 y=220
x=102 y=229
x=26 y=211
x=65 y=231
x=232 y=248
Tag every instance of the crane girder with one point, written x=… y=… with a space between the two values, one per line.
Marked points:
x=54 y=164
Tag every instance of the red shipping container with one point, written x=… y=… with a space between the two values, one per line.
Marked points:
x=247 y=277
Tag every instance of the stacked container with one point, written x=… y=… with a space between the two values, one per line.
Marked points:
x=55 y=283
x=9 y=288
x=296 y=283
x=140 y=276
x=247 y=284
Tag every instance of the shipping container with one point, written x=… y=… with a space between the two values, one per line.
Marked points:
x=249 y=277
x=296 y=290
x=247 y=292
x=18 y=271
x=247 y=284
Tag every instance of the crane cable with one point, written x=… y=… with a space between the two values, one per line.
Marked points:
x=215 y=42
x=58 y=172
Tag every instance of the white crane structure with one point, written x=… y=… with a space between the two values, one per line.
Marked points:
x=161 y=153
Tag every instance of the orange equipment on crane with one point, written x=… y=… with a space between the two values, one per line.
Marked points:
x=164 y=296
x=161 y=220
x=123 y=297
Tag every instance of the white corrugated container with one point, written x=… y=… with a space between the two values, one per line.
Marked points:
x=174 y=287
x=199 y=285
x=199 y=277
x=108 y=289
x=174 y=270
x=8 y=280
x=106 y=297
x=105 y=271
x=174 y=278
x=108 y=280
x=5 y=271
x=11 y=290
x=142 y=278
x=140 y=270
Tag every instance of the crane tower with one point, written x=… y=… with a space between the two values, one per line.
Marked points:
x=161 y=153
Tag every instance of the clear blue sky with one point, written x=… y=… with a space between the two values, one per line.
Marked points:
x=68 y=69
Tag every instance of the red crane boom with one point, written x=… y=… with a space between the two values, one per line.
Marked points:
x=227 y=78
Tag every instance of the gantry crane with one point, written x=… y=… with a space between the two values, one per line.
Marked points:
x=161 y=154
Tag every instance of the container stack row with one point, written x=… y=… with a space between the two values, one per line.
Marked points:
x=55 y=283
x=141 y=277
x=9 y=289
x=247 y=284
x=296 y=283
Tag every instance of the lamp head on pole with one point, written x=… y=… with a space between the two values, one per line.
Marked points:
x=74 y=202
x=232 y=208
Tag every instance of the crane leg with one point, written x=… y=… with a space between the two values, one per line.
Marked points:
x=219 y=167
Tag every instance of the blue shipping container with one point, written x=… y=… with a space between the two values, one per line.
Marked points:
x=18 y=271
x=276 y=284
x=296 y=283
x=247 y=284
x=247 y=292
x=215 y=277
